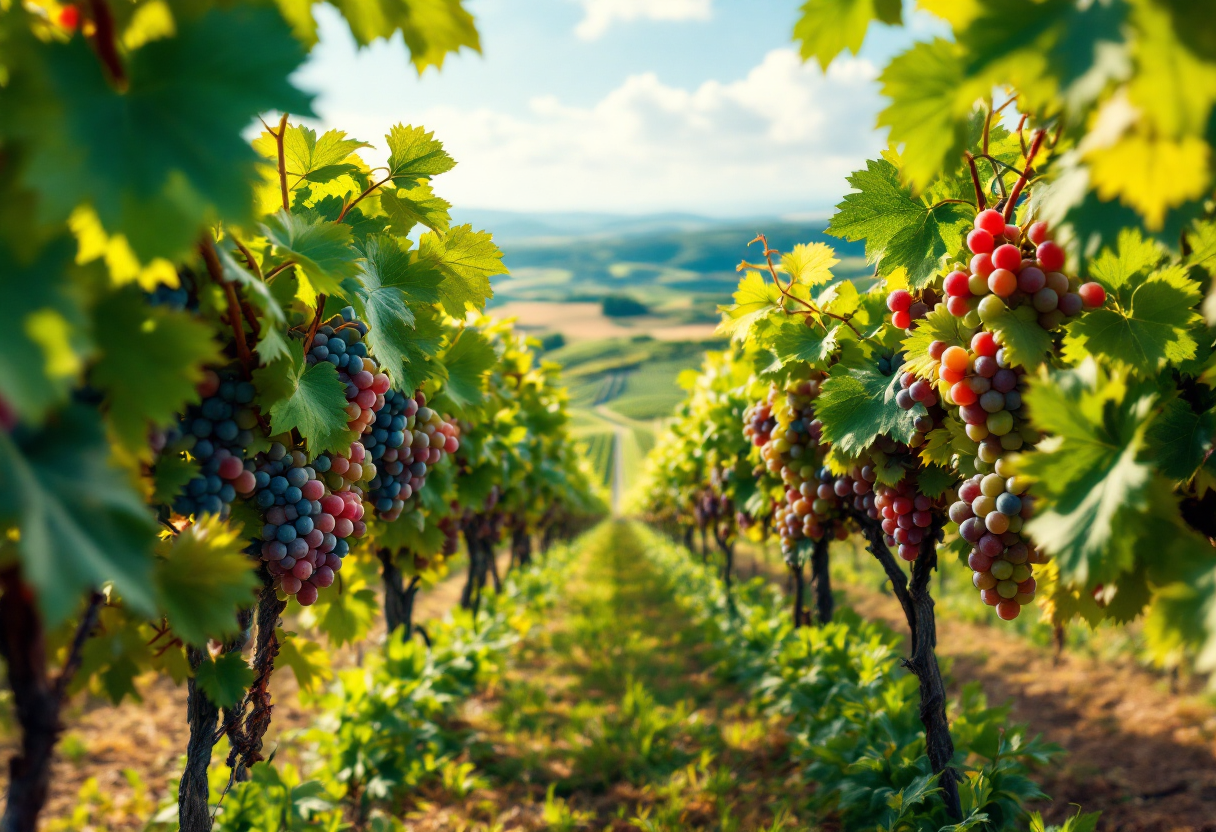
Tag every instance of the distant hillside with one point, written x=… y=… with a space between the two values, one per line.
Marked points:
x=678 y=264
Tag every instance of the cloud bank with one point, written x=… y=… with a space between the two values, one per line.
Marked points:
x=600 y=15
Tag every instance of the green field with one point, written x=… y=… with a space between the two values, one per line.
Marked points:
x=621 y=390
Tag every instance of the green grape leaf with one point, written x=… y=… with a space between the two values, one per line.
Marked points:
x=1096 y=489
x=755 y=300
x=415 y=154
x=311 y=160
x=308 y=660
x=46 y=350
x=161 y=158
x=347 y=617
x=390 y=284
x=938 y=325
x=931 y=100
x=1076 y=48
x=1025 y=342
x=1183 y=612
x=81 y=524
x=273 y=344
x=321 y=251
x=933 y=481
x=307 y=398
x=203 y=577
x=938 y=448
x=810 y=265
x=431 y=28
x=468 y=361
x=857 y=405
x=170 y=475
x=298 y=14
x=901 y=230
x=840 y=298
x=151 y=360
x=1143 y=327
x=1181 y=439
x=418 y=205
x=467 y=259
x=224 y=680
x=792 y=340
x=828 y=27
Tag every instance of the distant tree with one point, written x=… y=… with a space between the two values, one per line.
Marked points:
x=552 y=341
x=623 y=306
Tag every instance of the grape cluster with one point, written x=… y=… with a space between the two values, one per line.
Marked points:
x=425 y=438
x=906 y=516
x=216 y=433
x=305 y=524
x=905 y=309
x=343 y=346
x=179 y=298
x=990 y=511
x=789 y=436
x=1008 y=270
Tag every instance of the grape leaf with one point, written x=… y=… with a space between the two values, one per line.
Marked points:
x=1096 y=487
x=419 y=363
x=841 y=298
x=320 y=249
x=162 y=157
x=755 y=299
x=792 y=340
x=857 y=404
x=933 y=481
x=225 y=679
x=202 y=578
x=1173 y=88
x=931 y=99
x=1183 y=613
x=467 y=259
x=1050 y=49
x=312 y=160
x=1180 y=439
x=346 y=617
x=901 y=230
x=80 y=522
x=828 y=27
x=46 y=350
x=307 y=398
x=273 y=344
x=468 y=361
x=431 y=28
x=1143 y=327
x=938 y=448
x=415 y=154
x=407 y=208
x=1151 y=174
x=308 y=660
x=1025 y=342
x=389 y=284
x=170 y=475
x=151 y=360
x=810 y=265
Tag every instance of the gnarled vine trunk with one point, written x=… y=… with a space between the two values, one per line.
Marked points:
x=825 y=604
x=398 y=596
x=917 y=605
x=37 y=698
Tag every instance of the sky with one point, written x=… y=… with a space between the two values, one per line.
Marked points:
x=621 y=106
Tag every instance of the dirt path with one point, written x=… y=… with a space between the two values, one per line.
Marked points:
x=610 y=720
x=1142 y=756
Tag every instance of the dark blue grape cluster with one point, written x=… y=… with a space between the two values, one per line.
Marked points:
x=401 y=471
x=340 y=342
x=304 y=531
x=180 y=297
x=216 y=433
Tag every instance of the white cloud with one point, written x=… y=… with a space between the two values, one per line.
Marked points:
x=781 y=139
x=599 y=15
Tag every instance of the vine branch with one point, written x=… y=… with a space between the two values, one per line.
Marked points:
x=1035 y=144
x=235 y=314
x=772 y=270
x=980 y=201
x=105 y=42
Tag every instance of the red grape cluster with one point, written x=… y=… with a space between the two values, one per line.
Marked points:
x=1008 y=270
x=905 y=309
x=906 y=516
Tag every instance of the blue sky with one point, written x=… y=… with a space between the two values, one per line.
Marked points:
x=626 y=106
